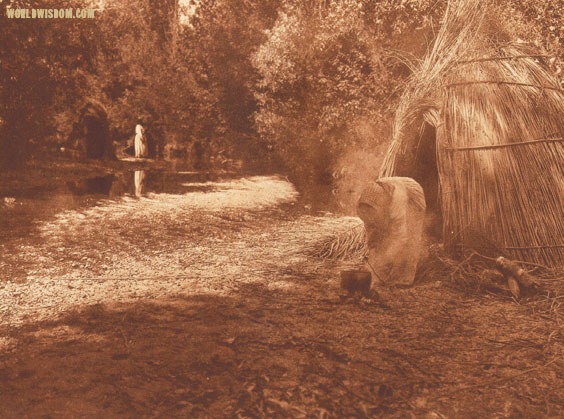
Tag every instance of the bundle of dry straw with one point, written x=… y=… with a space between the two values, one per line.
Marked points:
x=348 y=245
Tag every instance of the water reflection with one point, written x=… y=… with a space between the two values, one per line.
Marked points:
x=139 y=182
x=100 y=185
x=21 y=208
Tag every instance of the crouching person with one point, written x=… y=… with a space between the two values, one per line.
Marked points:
x=393 y=212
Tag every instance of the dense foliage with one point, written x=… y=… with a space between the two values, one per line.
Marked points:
x=44 y=69
x=330 y=72
x=293 y=85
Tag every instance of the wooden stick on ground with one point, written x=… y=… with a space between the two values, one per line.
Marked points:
x=517 y=277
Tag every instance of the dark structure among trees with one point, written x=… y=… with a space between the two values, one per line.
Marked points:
x=91 y=132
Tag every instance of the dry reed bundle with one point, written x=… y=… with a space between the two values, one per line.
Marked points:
x=499 y=120
x=350 y=244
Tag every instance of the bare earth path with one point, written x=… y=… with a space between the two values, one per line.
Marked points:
x=208 y=305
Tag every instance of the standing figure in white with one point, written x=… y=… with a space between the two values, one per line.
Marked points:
x=140 y=141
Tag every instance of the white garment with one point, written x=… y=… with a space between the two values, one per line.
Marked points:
x=139 y=181
x=140 y=141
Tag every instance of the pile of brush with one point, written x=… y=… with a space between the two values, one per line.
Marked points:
x=477 y=273
x=349 y=245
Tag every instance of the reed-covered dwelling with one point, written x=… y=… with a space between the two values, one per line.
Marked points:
x=481 y=127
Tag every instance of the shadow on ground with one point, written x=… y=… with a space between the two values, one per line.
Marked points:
x=273 y=353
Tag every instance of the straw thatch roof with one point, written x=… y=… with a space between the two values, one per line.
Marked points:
x=497 y=118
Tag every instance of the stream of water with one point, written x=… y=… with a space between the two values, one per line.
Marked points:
x=23 y=209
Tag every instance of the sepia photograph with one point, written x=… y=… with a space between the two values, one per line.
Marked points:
x=281 y=209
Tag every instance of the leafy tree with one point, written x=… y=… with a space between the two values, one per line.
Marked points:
x=191 y=84
x=326 y=70
x=540 y=22
x=44 y=66
x=140 y=73
x=223 y=35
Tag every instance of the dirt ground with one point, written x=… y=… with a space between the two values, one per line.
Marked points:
x=208 y=304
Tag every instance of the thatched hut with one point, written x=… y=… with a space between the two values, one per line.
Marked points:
x=481 y=127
